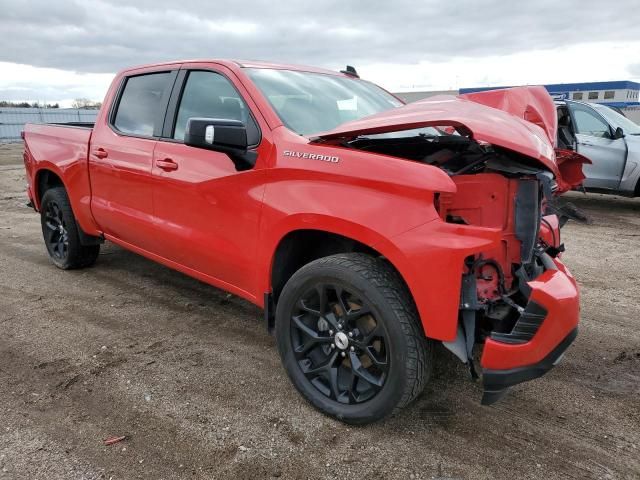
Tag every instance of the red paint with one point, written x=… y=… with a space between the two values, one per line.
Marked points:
x=488 y=200
x=550 y=231
x=532 y=104
x=191 y=210
x=557 y=292
x=570 y=167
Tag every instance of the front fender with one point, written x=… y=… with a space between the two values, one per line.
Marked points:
x=428 y=253
x=430 y=259
x=366 y=211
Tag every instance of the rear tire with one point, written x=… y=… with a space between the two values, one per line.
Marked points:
x=60 y=232
x=356 y=352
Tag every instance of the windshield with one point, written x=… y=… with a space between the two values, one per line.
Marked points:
x=617 y=120
x=309 y=102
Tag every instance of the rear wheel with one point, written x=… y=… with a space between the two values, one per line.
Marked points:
x=349 y=337
x=60 y=232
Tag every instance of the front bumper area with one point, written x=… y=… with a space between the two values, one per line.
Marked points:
x=497 y=382
x=505 y=363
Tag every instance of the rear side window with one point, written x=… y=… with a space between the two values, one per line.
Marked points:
x=211 y=95
x=140 y=103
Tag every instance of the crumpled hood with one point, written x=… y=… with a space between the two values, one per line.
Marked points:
x=521 y=119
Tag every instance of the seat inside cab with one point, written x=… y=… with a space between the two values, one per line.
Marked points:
x=566 y=132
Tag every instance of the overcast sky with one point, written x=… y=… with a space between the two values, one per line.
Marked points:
x=57 y=50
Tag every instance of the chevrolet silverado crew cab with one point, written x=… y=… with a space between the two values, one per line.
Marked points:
x=367 y=229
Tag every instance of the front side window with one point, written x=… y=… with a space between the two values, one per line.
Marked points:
x=211 y=95
x=589 y=122
x=617 y=120
x=308 y=102
x=140 y=103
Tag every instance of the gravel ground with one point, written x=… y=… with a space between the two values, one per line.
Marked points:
x=189 y=376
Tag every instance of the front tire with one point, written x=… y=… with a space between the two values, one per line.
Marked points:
x=60 y=232
x=350 y=338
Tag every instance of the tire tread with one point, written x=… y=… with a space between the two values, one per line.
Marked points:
x=80 y=256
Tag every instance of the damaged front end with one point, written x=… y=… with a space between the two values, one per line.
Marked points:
x=517 y=298
x=503 y=302
x=508 y=289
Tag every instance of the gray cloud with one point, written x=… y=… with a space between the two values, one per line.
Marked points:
x=104 y=36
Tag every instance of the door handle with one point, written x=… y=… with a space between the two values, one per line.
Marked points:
x=100 y=153
x=167 y=164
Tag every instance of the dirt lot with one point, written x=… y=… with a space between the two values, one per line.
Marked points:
x=189 y=375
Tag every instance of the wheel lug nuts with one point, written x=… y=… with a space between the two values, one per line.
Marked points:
x=333 y=345
x=330 y=332
x=352 y=349
x=343 y=354
x=351 y=334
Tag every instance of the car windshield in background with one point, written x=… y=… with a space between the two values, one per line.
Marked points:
x=309 y=102
x=617 y=120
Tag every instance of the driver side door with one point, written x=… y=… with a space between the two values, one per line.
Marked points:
x=595 y=141
x=206 y=211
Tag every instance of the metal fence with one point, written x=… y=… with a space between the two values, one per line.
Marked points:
x=12 y=120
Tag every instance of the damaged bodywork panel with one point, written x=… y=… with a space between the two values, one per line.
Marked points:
x=498 y=148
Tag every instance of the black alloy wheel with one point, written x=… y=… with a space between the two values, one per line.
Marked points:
x=338 y=343
x=56 y=236
x=61 y=233
x=350 y=338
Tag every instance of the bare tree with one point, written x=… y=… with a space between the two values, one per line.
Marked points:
x=85 y=103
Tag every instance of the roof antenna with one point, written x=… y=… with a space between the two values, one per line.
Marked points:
x=350 y=71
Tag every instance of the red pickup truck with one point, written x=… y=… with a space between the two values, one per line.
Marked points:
x=367 y=229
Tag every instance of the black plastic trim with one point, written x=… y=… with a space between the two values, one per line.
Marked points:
x=269 y=313
x=497 y=382
x=527 y=217
x=172 y=106
x=525 y=327
x=89 y=239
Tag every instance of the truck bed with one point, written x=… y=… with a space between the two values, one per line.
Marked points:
x=62 y=149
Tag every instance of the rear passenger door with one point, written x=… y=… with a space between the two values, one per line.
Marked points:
x=121 y=156
x=208 y=211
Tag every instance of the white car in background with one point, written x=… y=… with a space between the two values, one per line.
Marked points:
x=610 y=140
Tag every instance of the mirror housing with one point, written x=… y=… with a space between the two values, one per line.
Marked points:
x=222 y=135
x=619 y=133
x=216 y=134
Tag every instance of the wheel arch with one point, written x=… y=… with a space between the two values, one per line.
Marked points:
x=301 y=246
x=46 y=178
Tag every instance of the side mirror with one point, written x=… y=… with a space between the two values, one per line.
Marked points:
x=216 y=134
x=619 y=133
x=222 y=135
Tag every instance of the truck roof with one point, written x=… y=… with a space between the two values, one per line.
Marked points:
x=234 y=64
